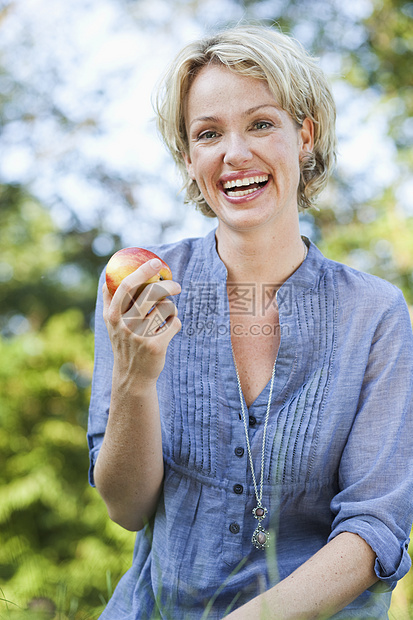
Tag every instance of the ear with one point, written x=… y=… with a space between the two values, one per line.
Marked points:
x=189 y=166
x=307 y=136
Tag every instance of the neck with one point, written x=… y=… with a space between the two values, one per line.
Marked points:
x=268 y=257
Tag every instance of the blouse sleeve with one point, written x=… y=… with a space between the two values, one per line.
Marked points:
x=375 y=499
x=101 y=384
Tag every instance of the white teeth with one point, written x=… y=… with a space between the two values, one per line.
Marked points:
x=246 y=181
x=243 y=192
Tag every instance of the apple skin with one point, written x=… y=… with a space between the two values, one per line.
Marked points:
x=126 y=261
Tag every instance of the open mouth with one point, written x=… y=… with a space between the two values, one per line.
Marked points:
x=243 y=187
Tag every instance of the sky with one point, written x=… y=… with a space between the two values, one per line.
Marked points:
x=97 y=62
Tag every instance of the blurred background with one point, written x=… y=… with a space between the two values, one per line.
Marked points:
x=83 y=173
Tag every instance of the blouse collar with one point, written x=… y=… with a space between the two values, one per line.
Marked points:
x=306 y=276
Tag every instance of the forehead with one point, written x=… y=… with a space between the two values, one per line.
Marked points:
x=216 y=86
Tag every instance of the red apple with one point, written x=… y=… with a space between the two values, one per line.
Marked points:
x=128 y=260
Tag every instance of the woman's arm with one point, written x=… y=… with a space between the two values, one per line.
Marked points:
x=322 y=586
x=129 y=469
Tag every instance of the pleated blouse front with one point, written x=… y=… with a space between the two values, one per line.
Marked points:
x=337 y=453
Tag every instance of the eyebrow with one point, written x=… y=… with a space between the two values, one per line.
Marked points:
x=199 y=119
x=214 y=119
x=263 y=105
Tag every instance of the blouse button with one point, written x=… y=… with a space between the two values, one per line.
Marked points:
x=234 y=528
x=253 y=420
x=238 y=489
x=239 y=451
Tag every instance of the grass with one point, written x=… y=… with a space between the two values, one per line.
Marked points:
x=67 y=605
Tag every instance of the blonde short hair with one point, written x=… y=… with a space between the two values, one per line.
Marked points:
x=296 y=81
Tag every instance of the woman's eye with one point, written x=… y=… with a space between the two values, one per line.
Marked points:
x=207 y=135
x=262 y=125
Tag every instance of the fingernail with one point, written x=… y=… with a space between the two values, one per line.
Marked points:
x=155 y=263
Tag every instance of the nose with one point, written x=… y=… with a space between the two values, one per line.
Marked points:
x=237 y=150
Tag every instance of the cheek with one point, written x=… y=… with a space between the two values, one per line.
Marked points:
x=290 y=156
x=203 y=168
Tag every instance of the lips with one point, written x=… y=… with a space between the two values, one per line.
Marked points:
x=237 y=187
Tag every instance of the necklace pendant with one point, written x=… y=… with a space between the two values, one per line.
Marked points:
x=260 y=538
x=259 y=512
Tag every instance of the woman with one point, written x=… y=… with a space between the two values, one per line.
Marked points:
x=259 y=443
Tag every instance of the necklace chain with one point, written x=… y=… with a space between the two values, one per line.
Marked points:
x=260 y=537
x=258 y=494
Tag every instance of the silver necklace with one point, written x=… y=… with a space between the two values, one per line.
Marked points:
x=261 y=537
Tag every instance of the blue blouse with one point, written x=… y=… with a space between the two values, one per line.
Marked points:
x=338 y=454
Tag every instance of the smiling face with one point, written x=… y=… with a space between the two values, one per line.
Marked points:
x=244 y=149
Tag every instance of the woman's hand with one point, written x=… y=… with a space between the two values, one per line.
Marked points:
x=141 y=321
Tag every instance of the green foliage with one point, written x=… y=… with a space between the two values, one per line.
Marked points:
x=57 y=546
x=384 y=62
x=383 y=246
x=43 y=270
x=54 y=531
x=391 y=41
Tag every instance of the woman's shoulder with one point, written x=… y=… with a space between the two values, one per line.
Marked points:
x=362 y=286
x=178 y=254
x=190 y=255
x=177 y=250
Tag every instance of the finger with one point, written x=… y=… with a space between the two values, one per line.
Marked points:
x=107 y=298
x=155 y=291
x=165 y=332
x=106 y=295
x=151 y=295
x=132 y=287
x=154 y=322
x=138 y=277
